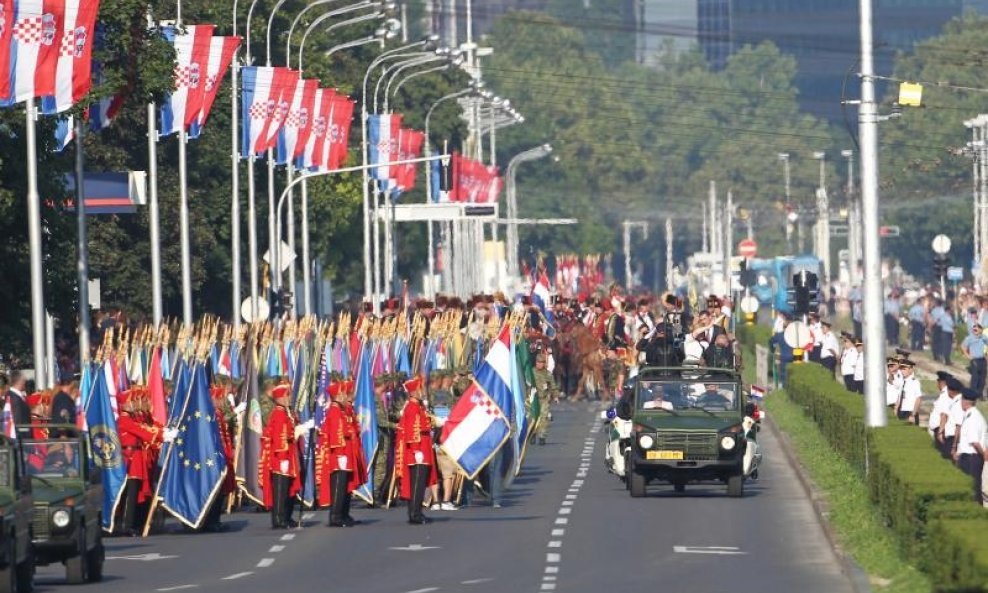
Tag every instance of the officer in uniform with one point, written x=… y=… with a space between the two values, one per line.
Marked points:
x=136 y=438
x=384 y=402
x=917 y=327
x=829 y=347
x=944 y=417
x=969 y=447
x=414 y=455
x=974 y=346
x=279 y=467
x=340 y=460
x=547 y=392
x=893 y=383
x=911 y=394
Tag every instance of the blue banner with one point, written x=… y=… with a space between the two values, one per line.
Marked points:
x=105 y=442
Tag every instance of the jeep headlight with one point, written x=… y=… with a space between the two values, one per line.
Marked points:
x=61 y=518
x=727 y=443
x=646 y=441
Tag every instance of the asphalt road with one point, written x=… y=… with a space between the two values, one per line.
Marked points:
x=566 y=525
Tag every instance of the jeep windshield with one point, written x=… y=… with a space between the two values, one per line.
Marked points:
x=52 y=459
x=712 y=396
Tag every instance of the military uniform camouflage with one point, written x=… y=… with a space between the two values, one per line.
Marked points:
x=547 y=392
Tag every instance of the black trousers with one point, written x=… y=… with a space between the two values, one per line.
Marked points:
x=420 y=476
x=829 y=363
x=849 y=382
x=978 y=368
x=282 y=504
x=946 y=345
x=917 y=335
x=892 y=330
x=947 y=448
x=128 y=516
x=337 y=488
x=972 y=464
x=936 y=342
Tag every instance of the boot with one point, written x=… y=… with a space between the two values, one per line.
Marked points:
x=279 y=485
x=347 y=519
x=289 y=506
x=129 y=514
x=419 y=474
x=337 y=485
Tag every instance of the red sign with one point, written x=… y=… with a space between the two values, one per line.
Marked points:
x=747 y=248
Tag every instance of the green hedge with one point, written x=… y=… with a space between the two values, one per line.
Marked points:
x=924 y=500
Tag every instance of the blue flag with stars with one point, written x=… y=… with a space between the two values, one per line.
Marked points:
x=196 y=467
x=365 y=406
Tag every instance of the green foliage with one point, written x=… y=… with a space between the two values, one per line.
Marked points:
x=961 y=540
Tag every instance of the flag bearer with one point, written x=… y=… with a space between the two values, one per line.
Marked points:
x=414 y=455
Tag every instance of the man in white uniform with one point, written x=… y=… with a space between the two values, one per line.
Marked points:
x=911 y=395
x=970 y=454
x=848 y=360
x=940 y=407
x=893 y=384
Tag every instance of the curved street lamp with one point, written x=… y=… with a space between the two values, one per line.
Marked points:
x=531 y=154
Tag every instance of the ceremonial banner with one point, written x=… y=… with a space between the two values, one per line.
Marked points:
x=284 y=88
x=73 y=71
x=298 y=121
x=542 y=298
x=196 y=464
x=105 y=443
x=35 y=45
x=478 y=424
x=192 y=55
x=382 y=139
x=364 y=405
x=409 y=147
x=6 y=35
x=339 y=131
x=156 y=389
x=251 y=429
x=314 y=155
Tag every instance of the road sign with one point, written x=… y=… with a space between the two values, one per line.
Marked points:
x=749 y=304
x=797 y=335
x=748 y=248
x=263 y=310
x=941 y=244
x=955 y=273
x=888 y=231
x=285 y=258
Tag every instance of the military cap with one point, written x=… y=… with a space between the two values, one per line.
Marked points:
x=954 y=385
x=969 y=394
x=943 y=376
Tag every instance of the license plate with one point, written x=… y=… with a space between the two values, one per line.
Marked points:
x=663 y=454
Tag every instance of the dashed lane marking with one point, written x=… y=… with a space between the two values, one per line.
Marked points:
x=265 y=562
x=558 y=532
x=238 y=575
x=276 y=549
x=553 y=558
x=288 y=537
x=178 y=588
x=556 y=543
x=426 y=590
x=476 y=581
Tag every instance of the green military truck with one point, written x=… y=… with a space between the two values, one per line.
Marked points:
x=16 y=553
x=686 y=427
x=68 y=498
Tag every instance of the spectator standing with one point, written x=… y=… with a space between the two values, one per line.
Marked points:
x=917 y=326
x=892 y=310
x=974 y=347
x=933 y=322
x=946 y=323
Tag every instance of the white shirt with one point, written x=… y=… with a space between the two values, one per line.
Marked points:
x=893 y=389
x=816 y=330
x=955 y=415
x=973 y=430
x=829 y=346
x=859 y=367
x=940 y=406
x=849 y=360
x=911 y=394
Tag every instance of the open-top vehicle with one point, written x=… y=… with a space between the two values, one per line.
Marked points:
x=68 y=496
x=16 y=553
x=687 y=426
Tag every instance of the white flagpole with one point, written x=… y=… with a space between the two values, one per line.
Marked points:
x=274 y=242
x=306 y=265
x=83 y=242
x=183 y=213
x=34 y=240
x=153 y=217
x=235 y=189
x=290 y=172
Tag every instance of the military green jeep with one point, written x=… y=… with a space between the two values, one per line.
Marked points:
x=68 y=498
x=686 y=428
x=16 y=553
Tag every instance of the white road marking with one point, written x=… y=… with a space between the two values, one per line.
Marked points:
x=415 y=548
x=562 y=521
x=567 y=503
x=426 y=590
x=549 y=578
x=265 y=562
x=239 y=575
x=551 y=569
x=723 y=550
x=178 y=588
x=555 y=543
x=288 y=537
x=565 y=511
x=552 y=558
x=570 y=497
x=577 y=482
x=276 y=549
x=548 y=586
x=558 y=532
x=475 y=581
x=142 y=557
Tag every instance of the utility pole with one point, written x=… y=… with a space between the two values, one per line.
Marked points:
x=706 y=244
x=983 y=189
x=715 y=235
x=784 y=157
x=975 y=152
x=728 y=240
x=873 y=325
x=628 y=225
x=669 y=238
x=823 y=217
x=853 y=234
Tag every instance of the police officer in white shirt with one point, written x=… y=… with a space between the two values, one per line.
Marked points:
x=970 y=449
x=848 y=360
x=940 y=406
x=859 y=366
x=955 y=416
x=911 y=394
x=816 y=331
x=893 y=384
x=829 y=348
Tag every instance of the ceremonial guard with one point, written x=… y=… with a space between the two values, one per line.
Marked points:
x=279 y=467
x=136 y=440
x=911 y=394
x=340 y=460
x=414 y=454
x=969 y=447
x=547 y=392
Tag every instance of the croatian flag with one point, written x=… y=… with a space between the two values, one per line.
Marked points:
x=284 y=87
x=36 y=36
x=338 y=135
x=479 y=423
x=382 y=135
x=540 y=293
x=221 y=52
x=6 y=31
x=192 y=57
x=298 y=119
x=315 y=141
x=257 y=84
x=73 y=71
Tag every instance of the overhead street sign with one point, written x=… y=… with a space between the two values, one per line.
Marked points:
x=748 y=248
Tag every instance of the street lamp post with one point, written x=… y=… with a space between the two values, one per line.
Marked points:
x=784 y=157
x=511 y=199
x=822 y=246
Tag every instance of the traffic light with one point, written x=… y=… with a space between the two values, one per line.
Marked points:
x=804 y=294
x=940 y=265
x=747 y=277
x=813 y=289
x=287 y=305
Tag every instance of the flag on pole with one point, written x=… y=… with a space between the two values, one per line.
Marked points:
x=221 y=52
x=36 y=36
x=191 y=55
x=251 y=430
x=297 y=120
x=6 y=35
x=197 y=465
x=409 y=147
x=105 y=445
x=315 y=144
x=365 y=407
x=478 y=424
x=339 y=131
x=73 y=70
x=156 y=389
x=541 y=297
x=382 y=137
x=284 y=87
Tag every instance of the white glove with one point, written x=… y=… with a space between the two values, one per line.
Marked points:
x=232 y=400
x=341 y=462
x=283 y=467
x=300 y=431
x=419 y=457
x=240 y=408
x=309 y=424
x=440 y=421
x=170 y=434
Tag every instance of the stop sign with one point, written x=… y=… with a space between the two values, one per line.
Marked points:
x=747 y=248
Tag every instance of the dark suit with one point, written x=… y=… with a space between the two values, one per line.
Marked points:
x=62 y=409
x=21 y=413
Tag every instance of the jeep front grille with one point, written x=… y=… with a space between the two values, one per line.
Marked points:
x=696 y=446
x=40 y=523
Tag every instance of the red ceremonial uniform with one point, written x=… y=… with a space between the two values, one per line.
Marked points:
x=279 y=452
x=340 y=449
x=413 y=435
x=137 y=441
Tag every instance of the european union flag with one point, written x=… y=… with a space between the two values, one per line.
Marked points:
x=196 y=466
x=365 y=406
x=105 y=442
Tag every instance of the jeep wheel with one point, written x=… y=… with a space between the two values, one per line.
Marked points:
x=627 y=471
x=636 y=484
x=76 y=567
x=8 y=576
x=735 y=486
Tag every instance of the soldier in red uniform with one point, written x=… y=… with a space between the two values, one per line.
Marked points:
x=136 y=438
x=279 y=467
x=225 y=424
x=340 y=467
x=414 y=455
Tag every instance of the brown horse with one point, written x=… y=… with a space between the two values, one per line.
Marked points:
x=585 y=357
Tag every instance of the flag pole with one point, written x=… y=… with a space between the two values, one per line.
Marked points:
x=306 y=265
x=34 y=240
x=184 y=227
x=83 y=248
x=153 y=217
x=235 y=188
x=290 y=172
